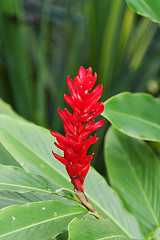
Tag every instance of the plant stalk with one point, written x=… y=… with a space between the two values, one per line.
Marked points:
x=82 y=197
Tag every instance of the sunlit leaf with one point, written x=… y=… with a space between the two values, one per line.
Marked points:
x=146 y=8
x=136 y=115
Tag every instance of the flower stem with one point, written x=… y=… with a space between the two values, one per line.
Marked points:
x=82 y=197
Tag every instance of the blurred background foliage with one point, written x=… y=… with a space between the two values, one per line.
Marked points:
x=41 y=42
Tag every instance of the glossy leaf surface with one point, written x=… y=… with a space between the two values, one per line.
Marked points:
x=33 y=145
x=136 y=115
x=18 y=180
x=146 y=8
x=154 y=235
x=134 y=171
x=42 y=220
x=95 y=229
x=6 y=158
x=8 y=198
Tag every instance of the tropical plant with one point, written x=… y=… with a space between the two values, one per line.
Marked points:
x=37 y=200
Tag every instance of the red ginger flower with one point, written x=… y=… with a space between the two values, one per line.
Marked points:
x=78 y=125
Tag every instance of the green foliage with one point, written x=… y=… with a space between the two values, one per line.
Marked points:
x=137 y=177
x=16 y=179
x=44 y=41
x=39 y=45
x=146 y=8
x=24 y=141
x=91 y=229
x=136 y=214
x=32 y=147
x=131 y=114
x=40 y=220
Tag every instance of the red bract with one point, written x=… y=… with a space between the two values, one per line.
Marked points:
x=79 y=125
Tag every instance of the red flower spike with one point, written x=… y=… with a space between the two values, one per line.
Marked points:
x=79 y=125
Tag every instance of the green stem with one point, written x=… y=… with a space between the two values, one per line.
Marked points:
x=82 y=197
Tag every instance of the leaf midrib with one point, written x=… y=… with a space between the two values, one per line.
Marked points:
x=15 y=200
x=45 y=221
x=28 y=148
x=35 y=153
x=142 y=189
x=108 y=214
x=134 y=117
x=110 y=237
x=22 y=186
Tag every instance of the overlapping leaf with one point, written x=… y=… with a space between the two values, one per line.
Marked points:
x=134 y=171
x=32 y=146
x=146 y=8
x=154 y=235
x=18 y=180
x=8 y=198
x=40 y=220
x=6 y=158
x=6 y=109
x=136 y=115
x=92 y=229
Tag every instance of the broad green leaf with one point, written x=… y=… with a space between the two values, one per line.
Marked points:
x=134 y=171
x=108 y=204
x=136 y=115
x=146 y=8
x=6 y=109
x=8 y=198
x=6 y=158
x=33 y=145
x=154 y=235
x=95 y=229
x=18 y=180
x=40 y=220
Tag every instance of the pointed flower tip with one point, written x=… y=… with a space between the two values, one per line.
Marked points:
x=95 y=76
x=89 y=71
x=53 y=133
x=101 y=86
x=81 y=71
x=59 y=111
x=85 y=72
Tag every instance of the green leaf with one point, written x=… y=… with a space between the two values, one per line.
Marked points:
x=40 y=220
x=33 y=145
x=134 y=171
x=8 y=198
x=146 y=8
x=106 y=200
x=136 y=115
x=16 y=56
x=18 y=180
x=95 y=229
x=6 y=158
x=154 y=235
x=6 y=109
